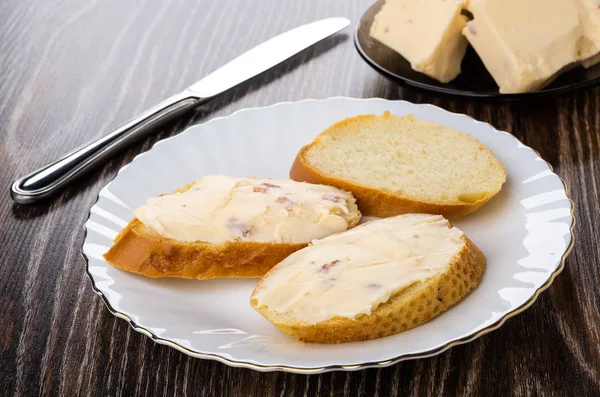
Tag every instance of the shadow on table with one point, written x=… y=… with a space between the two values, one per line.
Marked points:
x=87 y=181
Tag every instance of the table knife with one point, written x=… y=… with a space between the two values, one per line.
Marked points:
x=48 y=180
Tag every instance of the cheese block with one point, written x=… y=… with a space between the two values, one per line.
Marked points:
x=525 y=44
x=221 y=226
x=589 y=12
x=377 y=279
x=425 y=32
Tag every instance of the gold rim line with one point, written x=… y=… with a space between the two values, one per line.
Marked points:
x=333 y=367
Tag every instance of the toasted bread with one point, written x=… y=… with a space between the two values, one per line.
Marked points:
x=396 y=165
x=386 y=288
x=142 y=249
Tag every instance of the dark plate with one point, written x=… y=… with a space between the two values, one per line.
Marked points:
x=473 y=82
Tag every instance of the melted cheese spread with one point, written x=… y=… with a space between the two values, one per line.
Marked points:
x=352 y=273
x=221 y=208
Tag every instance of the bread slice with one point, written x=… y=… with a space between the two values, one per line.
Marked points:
x=396 y=165
x=162 y=247
x=378 y=279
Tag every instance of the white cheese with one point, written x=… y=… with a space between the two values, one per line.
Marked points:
x=525 y=44
x=427 y=33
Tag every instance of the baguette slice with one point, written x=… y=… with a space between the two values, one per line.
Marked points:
x=397 y=165
x=165 y=244
x=378 y=279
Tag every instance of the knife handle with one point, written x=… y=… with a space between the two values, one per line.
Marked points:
x=48 y=180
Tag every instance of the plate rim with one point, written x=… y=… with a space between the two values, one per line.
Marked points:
x=333 y=367
x=424 y=87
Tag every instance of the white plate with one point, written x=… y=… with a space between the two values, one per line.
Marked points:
x=525 y=233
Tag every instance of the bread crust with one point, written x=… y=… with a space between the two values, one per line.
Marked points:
x=372 y=201
x=407 y=309
x=139 y=249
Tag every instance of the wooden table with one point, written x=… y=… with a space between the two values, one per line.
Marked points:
x=72 y=70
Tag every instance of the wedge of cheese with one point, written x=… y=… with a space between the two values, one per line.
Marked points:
x=526 y=44
x=425 y=32
x=589 y=12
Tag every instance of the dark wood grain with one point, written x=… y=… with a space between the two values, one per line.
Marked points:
x=71 y=70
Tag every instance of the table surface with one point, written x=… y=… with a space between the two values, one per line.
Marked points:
x=72 y=70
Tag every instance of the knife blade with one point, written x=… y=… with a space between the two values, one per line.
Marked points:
x=266 y=55
x=49 y=179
